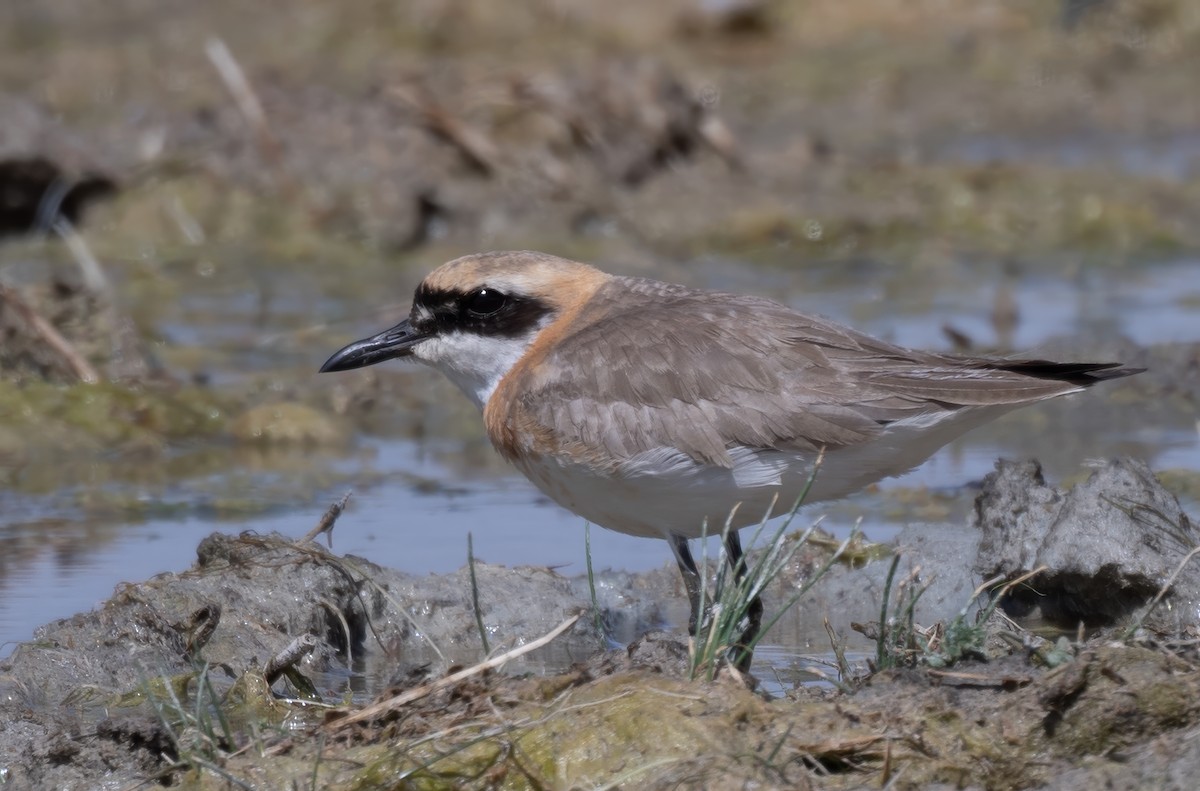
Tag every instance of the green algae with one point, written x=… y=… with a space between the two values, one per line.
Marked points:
x=629 y=728
x=908 y=211
x=250 y=702
x=286 y=423
x=106 y=415
x=133 y=452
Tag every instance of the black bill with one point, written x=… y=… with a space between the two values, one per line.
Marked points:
x=387 y=345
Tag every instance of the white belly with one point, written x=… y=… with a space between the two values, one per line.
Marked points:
x=663 y=492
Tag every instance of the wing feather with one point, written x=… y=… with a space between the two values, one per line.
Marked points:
x=659 y=365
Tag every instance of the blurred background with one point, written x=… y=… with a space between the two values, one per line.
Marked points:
x=199 y=202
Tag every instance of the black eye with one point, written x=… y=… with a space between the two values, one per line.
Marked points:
x=484 y=302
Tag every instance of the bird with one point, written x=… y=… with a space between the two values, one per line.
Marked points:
x=660 y=410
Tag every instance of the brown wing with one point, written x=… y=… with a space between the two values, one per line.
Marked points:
x=702 y=372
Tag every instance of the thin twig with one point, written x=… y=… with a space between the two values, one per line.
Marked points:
x=408 y=696
x=839 y=655
x=94 y=279
x=1000 y=594
x=349 y=569
x=53 y=339
x=476 y=148
x=327 y=521
x=1162 y=591
x=219 y=772
x=243 y=95
x=289 y=657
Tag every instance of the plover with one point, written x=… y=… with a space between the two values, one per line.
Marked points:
x=654 y=409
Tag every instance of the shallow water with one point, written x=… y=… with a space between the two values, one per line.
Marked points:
x=1174 y=157
x=412 y=510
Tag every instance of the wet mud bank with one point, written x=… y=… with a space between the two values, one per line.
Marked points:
x=251 y=667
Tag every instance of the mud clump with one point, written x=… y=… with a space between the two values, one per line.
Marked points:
x=244 y=602
x=1107 y=546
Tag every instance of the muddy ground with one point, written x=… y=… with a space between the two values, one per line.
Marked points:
x=173 y=174
x=225 y=674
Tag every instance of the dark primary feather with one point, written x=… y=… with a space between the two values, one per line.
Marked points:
x=663 y=369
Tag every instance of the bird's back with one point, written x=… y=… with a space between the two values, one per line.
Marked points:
x=653 y=365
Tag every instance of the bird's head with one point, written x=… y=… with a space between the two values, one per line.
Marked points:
x=475 y=317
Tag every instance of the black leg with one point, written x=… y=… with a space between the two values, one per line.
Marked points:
x=691 y=578
x=737 y=559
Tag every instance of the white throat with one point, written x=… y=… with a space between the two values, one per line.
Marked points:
x=475 y=363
